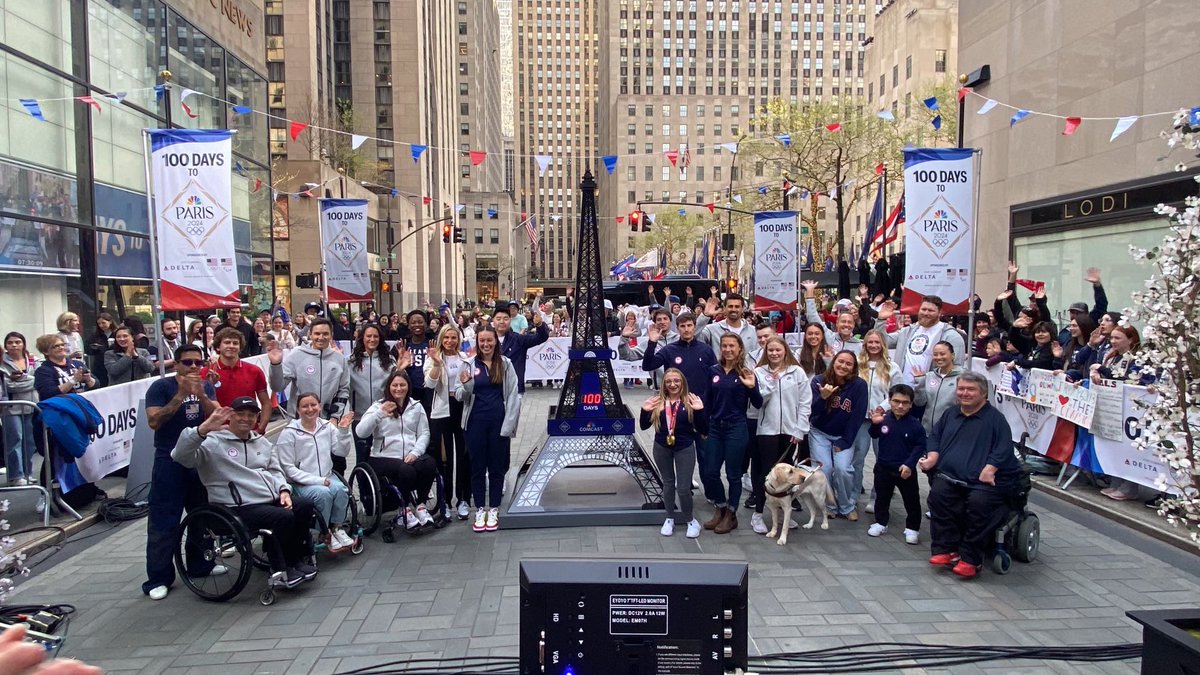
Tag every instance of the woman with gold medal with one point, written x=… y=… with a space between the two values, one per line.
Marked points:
x=679 y=423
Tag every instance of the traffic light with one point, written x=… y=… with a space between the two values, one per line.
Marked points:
x=446 y=230
x=634 y=220
x=732 y=283
x=308 y=280
x=385 y=287
x=645 y=222
x=460 y=236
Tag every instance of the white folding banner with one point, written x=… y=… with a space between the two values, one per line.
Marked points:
x=939 y=188
x=776 y=260
x=344 y=232
x=190 y=170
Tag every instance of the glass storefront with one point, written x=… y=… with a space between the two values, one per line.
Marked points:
x=73 y=221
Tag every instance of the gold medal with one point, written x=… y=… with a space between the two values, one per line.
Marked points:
x=671 y=439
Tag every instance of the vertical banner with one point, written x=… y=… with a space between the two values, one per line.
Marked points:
x=344 y=233
x=775 y=260
x=939 y=186
x=190 y=169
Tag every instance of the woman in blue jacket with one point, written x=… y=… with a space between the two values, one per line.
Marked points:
x=839 y=409
x=732 y=387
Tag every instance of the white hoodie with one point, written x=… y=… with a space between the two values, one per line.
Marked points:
x=395 y=437
x=307 y=457
x=787 y=400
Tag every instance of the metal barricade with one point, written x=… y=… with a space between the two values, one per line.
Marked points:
x=53 y=497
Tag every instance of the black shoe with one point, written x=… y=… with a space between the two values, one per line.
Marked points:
x=796 y=505
x=750 y=503
x=293 y=578
x=308 y=571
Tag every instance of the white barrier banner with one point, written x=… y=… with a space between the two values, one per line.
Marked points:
x=939 y=193
x=193 y=218
x=344 y=234
x=549 y=360
x=775 y=260
x=1118 y=457
x=122 y=407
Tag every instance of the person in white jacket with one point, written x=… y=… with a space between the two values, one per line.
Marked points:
x=400 y=433
x=487 y=386
x=782 y=420
x=306 y=448
x=449 y=450
x=876 y=368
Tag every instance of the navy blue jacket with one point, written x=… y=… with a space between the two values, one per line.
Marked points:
x=965 y=444
x=727 y=397
x=516 y=347
x=686 y=432
x=842 y=414
x=901 y=441
x=692 y=358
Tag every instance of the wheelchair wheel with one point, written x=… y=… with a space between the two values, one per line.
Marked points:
x=1001 y=562
x=366 y=498
x=213 y=535
x=1028 y=539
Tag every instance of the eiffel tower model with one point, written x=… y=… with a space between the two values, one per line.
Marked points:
x=590 y=429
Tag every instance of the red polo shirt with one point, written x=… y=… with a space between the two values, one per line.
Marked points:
x=243 y=379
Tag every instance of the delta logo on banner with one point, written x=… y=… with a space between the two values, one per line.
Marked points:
x=344 y=233
x=776 y=263
x=190 y=170
x=939 y=190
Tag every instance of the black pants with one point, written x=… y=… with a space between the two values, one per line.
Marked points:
x=752 y=429
x=768 y=451
x=965 y=519
x=888 y=477
x=408 y=478
x=450 y=452
x=288 y=544
x=362 y=446
x=173 y=488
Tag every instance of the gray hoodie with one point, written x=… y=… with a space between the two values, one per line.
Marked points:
x=222 y=458
x=512 y=397
x=395 y=437
x=307 y=457
x=937 y=393
x=19 y=389
x=366 y=383
x=325 y=372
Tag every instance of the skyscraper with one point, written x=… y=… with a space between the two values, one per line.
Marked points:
x=555 y=43
x=688 y=76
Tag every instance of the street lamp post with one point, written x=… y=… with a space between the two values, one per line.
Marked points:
x=729 y=214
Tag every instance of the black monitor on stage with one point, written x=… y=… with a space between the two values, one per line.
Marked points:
x=633 y=616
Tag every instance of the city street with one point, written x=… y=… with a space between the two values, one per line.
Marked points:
x=454 y=593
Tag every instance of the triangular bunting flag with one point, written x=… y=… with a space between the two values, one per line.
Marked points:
x=1020 y=115
x=159 y=90
x=931 y=103
x=886 y=115
x=492 y=213
x=183 y=96
x=242 y=109
x=683 y=212
x=417 y=149
x=1071 y=124
x=118 y=97
x=459 y=208
x=426 y=200
x=792 y=190
x=879 y=169
x=90 y=101
x=394 y=192
x=556 y=218
x=833 y=127
x=652 y=217
x=936 y=122
x=987 y=105
x=610 y=163
x=477 y=157
x=786 y=139
x=1122 y=126
x=710 y=206
x=543 y=163
x=763 y=190
x=356 y=140
x=32 y=107
x=620 y=219
x=732 y=147
x=672 y=156
x=307 y=193
x=737 y=198
x=238 y=168
x=294 y=129
x=257 y=185
x=963 y=91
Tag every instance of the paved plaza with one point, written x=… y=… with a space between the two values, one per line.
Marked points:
x=454 y=593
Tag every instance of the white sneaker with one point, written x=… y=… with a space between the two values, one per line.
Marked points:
x=423 y=515
x=746 y=484
x=756 y=522
x=41 y=506
x=480 y=520
x=693 y=529
x=338 y=540
x=870 y=507
x=793 y=525
x=493 y=520
x=158 y=592
x=218 y=571
x=463 y=510
x=912 y=536
x=410 y=519
x=876 y=529
x=668 y=527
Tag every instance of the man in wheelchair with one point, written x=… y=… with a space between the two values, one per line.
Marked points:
x=240 y=470
x=974 y=472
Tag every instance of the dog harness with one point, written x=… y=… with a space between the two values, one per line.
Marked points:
x=808 y=467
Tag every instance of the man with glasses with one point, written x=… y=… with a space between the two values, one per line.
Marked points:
x=172 y=405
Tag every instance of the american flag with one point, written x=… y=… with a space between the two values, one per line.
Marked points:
x=891 y=228
x=531 y=230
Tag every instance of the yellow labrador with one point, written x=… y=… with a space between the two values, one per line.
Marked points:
x=805 y=482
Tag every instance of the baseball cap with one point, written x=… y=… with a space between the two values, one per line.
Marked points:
x=245 y=403
x=844 y=302
x=1078 y=307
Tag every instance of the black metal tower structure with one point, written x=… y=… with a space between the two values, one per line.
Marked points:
x=591 y=426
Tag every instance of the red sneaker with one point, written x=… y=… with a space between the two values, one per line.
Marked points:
x=966 y=570
x=943 y=559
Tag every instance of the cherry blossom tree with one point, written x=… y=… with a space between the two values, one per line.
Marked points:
x=1169 y=311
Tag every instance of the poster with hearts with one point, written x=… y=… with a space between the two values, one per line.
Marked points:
x=1075 y=403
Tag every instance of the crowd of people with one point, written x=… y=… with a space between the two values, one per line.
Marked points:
x=438 y=392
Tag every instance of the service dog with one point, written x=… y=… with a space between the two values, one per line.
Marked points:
x=805 y=482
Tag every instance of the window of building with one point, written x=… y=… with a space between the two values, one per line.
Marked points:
x=939 y=60
x=479 y=235
x=908 y=67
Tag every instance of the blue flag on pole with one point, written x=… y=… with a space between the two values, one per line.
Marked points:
x=874 y=221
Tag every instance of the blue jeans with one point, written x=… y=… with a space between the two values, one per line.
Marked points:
x=727 y=440
x=838 y=468
x=331 y=502
x=863 y=443
x=19 y=446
